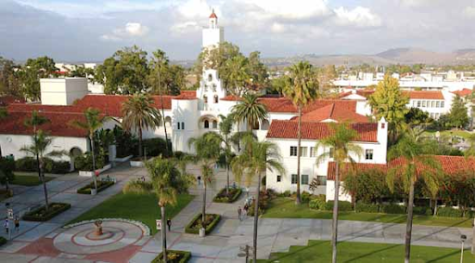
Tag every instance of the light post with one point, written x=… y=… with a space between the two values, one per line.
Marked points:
x=463 y=237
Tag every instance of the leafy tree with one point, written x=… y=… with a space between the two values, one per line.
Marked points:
x=414 y=164
x=258 y=71
x=31 y=73
x=165 y=182
x=417 y=117
x=389 y=102
x=216 y=58
x=326 y=75
x=301 y=87
x=6 y=172
x=339 y=146
x=277 y=86
x=82 y=72
x=93 y=122
x=140 y=113
x=207 y=148
x=170 y=78
x=256 y=159
x=250 y=110
x=235 y=75
x=368 y=185
x=9 y=82
x=458 y=116
x=125 y=72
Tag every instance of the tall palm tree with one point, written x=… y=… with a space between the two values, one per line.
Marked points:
x=256 y=159
x=93 y=122
x=341 y=148
x=207 y=148
x=412 y=163
x=140 y=113
x=225 y=129
x=301 y=87
x=250 y=110
x=165 y=182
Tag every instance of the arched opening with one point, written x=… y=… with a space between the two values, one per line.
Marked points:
x=215 y=124
x=265 y=125
x=205 y=98
x=210 y=77
x=73 y=153
x=216 y=99
x=168 y=121
x=206 y=124
x=255 y=125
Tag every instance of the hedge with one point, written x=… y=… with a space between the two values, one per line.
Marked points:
x=29 y=164
x=221 y=197
x=367 y=208
x=449 y=212
x=41 y=215
x=194 y=226
x=3 y=241
x=84 y=162
x=392 y=209
x=318 y=203
x=174 y=256
x=343 y=206
x=101 y=186
x=155 y=147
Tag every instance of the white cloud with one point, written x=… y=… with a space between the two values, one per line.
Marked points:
x=195 y=9
x=357 y=17
x=292 y=9
x=469 y=11
x=131 y=29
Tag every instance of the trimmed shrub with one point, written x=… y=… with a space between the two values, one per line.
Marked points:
x=318 y=203
x=423 y=211
x=173 y=256
x=393 y=209
x=221 y=197
x=286 y=194
x=305 y=197
x=61 y=167
x=101 y=186
x=84 y=162
x=28 y=164
x=3 y=241
x=449 y=212
x=155 y=147
x=343 y=206
x=211 y=220
x=41 y=214
x=367 y=208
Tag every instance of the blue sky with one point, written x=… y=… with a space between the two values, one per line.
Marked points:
x=87 y=30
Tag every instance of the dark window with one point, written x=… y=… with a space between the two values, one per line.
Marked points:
x=293 y=150
x=331 y=152
x=178 y=125
x=322 y=180
x=279 y=178
x=304 y=179
x=182 y=125
x=294 y=179
x=206 y=124
x=215 y=124
x=216 y=99
x=205 y=98
x=210 y=77
x=369 y=154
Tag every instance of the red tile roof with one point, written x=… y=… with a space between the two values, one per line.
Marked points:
x=332 y=112
x=7 y=100
x=463 y=92
x=351 y=168
x=424 y=95
x=213 y=15
x=318 y=130
x=231 y=98
x=282 y=104
x=186 y=95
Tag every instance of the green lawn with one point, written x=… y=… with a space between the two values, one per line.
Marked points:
x=320 y=251
x=459 y=133
x=143 y=208
x=28 y=180
x=286 y=208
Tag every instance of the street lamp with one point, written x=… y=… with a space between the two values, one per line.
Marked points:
x=463 y=237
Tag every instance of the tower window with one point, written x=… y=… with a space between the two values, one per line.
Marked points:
x=206 y=124
x=369 y=154
x=210 y=77
x=216 y=99
x=182 y=125
x=178 y=125
x=205 y=98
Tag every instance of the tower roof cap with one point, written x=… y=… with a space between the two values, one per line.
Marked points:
x=213 y=15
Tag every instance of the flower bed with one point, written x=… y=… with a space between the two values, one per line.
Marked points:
x=42 y=215
x=101 y=186
x=221 y=197
x=174 y=256
x=194 y=226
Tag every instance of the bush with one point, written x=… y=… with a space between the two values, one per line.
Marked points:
x=3 y=241
x=343 y=206
x=367 y=208
x=318 y=203
x=155 y=147
x=26 y=164
x=29 y=164
x=305 y=197
x=221 y=197
x=264 y=199
x=174 y=256
x=61 y=167
x=84 y=162
x=211 y=220
x=423 y=211
x=42 y=215
x=101 y=186
x=393 y=209
x=286 y=194
x=449 y=212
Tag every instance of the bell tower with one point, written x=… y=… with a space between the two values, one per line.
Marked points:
x=213 y=35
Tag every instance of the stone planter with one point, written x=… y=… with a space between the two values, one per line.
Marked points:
x=137 y=163
x=202 y=232
x=91 y=173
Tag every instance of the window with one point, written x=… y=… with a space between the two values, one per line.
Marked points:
x=215 y=124
x=304 y=179
x=294 y=179
x=303 y=151
x=182 y=125
x=432 y=104
x=423 y=104
x=418 y=103
x=322 y=180
x=206 y=124
x=178 y=125
x=205 y=98
x=210 y=77
x=331 y=152
x=216 y=99
x=265 y=125
x=369 y=154
x=279 y=178
x=313 y=152
x=442 y=104
x=293 y=150
x=437 y=105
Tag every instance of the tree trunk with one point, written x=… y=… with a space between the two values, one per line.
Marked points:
x=163 y=110
x=335 y=212
x=435 y=206
x=256 y=219
x=43 y=181
x=473 y=237
x=203 y=210
x=93 y=161
x=410 y=210
x=299 y=139
x=227 y=178
x=164 y=233
x=140 y=142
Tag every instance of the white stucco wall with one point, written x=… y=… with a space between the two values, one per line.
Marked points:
x=62 y=91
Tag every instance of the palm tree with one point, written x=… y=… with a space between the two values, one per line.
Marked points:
x=139 y=113
x=165 y=182
x=338 y=146
x=207 y=148
x=225 y=129
x=412 y=163
x=256 y=159
x=93 y=122
x=250 y=110
x=301 y=87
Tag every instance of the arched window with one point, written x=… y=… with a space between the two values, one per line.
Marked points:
x=216 y=99
x=182 y=125
x=215 y=124
x=255 y=126
x=178 y=124
x=265 y=125
x=205 y=98
x=206 y=124
x=210 y=77
x=168 y=121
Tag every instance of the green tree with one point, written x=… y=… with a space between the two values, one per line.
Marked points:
x=82 y=72
x=414 y=163
x=256 y=159
x=388 y=101
x=339 y=146
x=125 y=72
x=301 y=87
x=9 y=82
x=249 y=110
x=235 y=75
x=93 y=122
x=258 y=70
x=326 y=76
x=225 y=128
x=171 y=78
x=6 y=172
x=458 y=116
x=368 y=185
x=216 y=58
x=208 y=149
x=165 y=182
x=416 y=117
x=140 y=113
x=31 y=73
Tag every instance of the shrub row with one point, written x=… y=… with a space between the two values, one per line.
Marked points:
x=29 y=164
x=221 y=197
x=173 y=256
x=41 y=214
x=211 y=220
x=101 y=186
x=84 y=162
x=3 y=241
